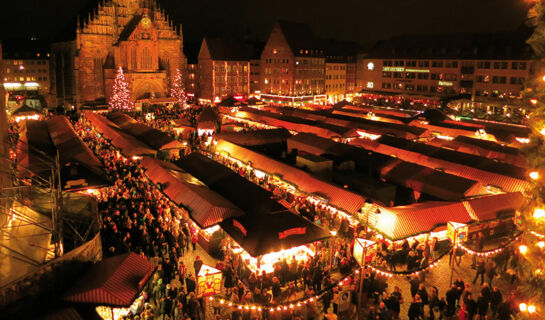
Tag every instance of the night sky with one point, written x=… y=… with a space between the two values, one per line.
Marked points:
x=364 y=21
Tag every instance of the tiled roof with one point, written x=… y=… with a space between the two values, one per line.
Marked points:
x=230 y=50
x=300 y=37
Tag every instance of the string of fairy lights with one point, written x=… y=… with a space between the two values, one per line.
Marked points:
x=347 y=280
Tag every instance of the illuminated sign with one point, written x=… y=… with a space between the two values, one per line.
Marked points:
x=395 y=69
x=446 y=83
x=292 y=232
x=31 y=84
x=208 y=281
x=417 y=70
x=9 y=85
x=240 y=227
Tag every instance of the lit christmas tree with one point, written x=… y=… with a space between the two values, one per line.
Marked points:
x=121 y=96
x=531 y=219
x=177 y=90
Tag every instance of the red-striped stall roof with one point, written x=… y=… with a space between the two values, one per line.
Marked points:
x=338 y=197
x=129 y=145
x=206 y=207
x=114 y=281
x=401 y=222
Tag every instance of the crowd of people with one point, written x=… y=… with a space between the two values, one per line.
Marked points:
x=137 y=217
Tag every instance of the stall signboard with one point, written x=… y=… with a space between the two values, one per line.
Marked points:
x=454 y=228
x=292 y=232
x=209 y=281
x=359 y=248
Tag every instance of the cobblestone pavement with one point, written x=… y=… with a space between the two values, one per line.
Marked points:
x=439 y=277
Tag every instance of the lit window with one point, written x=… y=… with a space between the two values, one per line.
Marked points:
x=370 y=85
x=370 y=66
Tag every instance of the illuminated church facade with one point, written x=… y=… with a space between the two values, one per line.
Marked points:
x=133 y=34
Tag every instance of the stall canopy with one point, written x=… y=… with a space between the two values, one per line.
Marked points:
x=484 y=148
x=154 y=138
x=401 y=222
x=341 y=104
x=487 y=171
x=260 y=234
x=38 y=149
x=298 y=124
x=208 y=119
x=113 y=282
x=230 y=102
x=205 y=206
x=256 y=137
x=429 y=181
x=24 y=110
x=374 y=125
x=129 y=145
x=336 y=196
x=258 y=230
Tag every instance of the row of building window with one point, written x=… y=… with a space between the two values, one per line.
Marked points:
x=29 y=62
x=230 y=68
x=25 y=78
x=284 y=61
x=500 y=79
x=334 y=86
x=335 y=76
x=17 y=70
x=335 y=67
x=454 y=64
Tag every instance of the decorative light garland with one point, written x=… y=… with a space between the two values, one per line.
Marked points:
x=539 y=235
x=488 y=253
x=281 y=307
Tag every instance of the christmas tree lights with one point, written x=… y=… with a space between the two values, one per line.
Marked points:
x=177 y=90
x=532 y=218
x=121 y=96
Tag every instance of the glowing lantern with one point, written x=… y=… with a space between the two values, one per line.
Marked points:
x=208 y=281
x=539 y=213
x=533 y=101
x=541 y=244
x=534 y=175
x=360 y=245
x=531 y=309
x=523 y=307
x=523 y=249
x=542 y=131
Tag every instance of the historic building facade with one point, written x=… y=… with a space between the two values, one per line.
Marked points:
x=223 y=69
x=292 y=66
x=134 y=34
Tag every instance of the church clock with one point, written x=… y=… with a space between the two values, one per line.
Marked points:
x=146 y=22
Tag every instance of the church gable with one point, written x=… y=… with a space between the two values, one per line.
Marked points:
x=140 y=28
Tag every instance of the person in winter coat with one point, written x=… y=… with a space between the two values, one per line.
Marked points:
x=482 y=306
x=495 y=300
x=415 y=309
